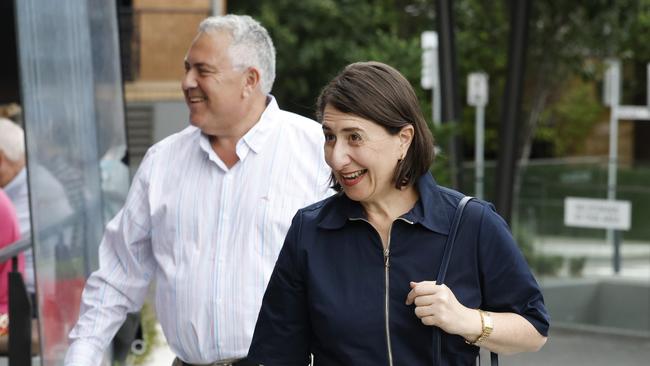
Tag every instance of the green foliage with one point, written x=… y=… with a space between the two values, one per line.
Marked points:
x=566 y=122
x=576 y=266
x=542 y=265
x=315 y=39
x=567 y=42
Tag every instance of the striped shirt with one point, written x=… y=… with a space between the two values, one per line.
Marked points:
x=208 y=235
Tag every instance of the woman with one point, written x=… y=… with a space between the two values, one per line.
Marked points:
x=355 y=281
x=9 y=233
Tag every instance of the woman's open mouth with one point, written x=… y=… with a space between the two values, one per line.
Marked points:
x=350 y=179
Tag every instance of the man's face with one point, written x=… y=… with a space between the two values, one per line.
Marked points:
x=214 y=90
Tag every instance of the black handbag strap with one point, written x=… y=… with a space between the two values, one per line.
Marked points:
x=442 y=273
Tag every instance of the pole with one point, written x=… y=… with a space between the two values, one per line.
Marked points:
x=450 y=104
x=510 y=119
x=435 y=105
x=435 y=91
x=478 y=153
x=647 y=86
x=614 y=73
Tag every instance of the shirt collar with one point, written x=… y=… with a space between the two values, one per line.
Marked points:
x=255 y=139
x=429 y=211
x=257 y=136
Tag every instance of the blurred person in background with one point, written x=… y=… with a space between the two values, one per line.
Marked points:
x=208 y=208
x=9 y=234
x=49 y=196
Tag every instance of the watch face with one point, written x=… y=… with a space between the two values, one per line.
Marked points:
x=487 y=319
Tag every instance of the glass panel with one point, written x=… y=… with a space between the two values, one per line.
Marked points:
x=71 y=90
x=109 y=105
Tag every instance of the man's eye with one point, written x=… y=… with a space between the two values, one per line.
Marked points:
x=355 y=137
x=329 y=137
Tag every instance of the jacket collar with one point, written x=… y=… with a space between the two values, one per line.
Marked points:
x=430 y=211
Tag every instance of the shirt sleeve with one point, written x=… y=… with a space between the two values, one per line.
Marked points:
x=283 y=330
x=119 y=286
x=507 y=283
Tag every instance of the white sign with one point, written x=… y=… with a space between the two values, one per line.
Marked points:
x=597 y=213
x=429 y=79
x=477 y=89
x=633 y=112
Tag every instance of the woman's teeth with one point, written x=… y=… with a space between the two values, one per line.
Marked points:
x=355 y=175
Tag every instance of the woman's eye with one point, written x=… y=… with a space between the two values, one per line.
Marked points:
x=355 y=137
x=329 y=137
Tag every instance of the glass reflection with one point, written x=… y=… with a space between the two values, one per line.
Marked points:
x=74 y=126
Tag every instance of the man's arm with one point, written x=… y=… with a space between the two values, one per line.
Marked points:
x=126 y=265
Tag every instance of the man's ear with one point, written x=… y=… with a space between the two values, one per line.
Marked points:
x=252 y=80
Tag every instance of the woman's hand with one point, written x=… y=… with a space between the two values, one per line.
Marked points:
x=436 y=305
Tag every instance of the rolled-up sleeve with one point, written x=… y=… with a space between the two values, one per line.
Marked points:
x=507 y=283
x=282 y=331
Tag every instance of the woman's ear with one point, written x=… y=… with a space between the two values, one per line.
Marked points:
x=406 y=137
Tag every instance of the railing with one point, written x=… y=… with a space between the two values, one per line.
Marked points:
x=20 y=309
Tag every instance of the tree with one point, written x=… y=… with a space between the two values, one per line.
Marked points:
x=567 y=42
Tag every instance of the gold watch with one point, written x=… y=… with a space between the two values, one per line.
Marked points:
x=487 y=324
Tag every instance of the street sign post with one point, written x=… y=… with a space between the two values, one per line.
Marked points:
x=612 y=96
x=430 y=74
x=477 y=96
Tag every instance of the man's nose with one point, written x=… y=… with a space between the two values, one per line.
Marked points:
x=189 y=80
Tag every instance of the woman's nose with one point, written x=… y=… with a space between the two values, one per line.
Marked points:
x=338 y=156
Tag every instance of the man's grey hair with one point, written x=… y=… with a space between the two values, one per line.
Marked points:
x=251 y=44
x=12 y=140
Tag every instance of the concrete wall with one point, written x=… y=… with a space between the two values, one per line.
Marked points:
x=609 y=304
x=624 y=305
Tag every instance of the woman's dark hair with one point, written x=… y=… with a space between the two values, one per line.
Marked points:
x=379 y=93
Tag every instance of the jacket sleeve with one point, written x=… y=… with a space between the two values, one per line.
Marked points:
x=283 y=329
x=506 y=280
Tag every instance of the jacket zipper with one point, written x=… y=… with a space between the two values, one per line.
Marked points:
x=386 y=286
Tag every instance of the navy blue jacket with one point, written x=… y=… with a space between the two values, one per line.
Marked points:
x=327 y=294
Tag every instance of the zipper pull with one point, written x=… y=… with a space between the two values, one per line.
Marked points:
x=387 y=257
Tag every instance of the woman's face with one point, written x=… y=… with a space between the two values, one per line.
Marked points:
x=362 y=154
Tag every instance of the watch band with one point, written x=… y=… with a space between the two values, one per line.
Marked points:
x=487 y=326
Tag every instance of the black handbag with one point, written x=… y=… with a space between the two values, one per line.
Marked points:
x=446 y=256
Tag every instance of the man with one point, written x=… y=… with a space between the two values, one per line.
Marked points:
x=209 y=207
